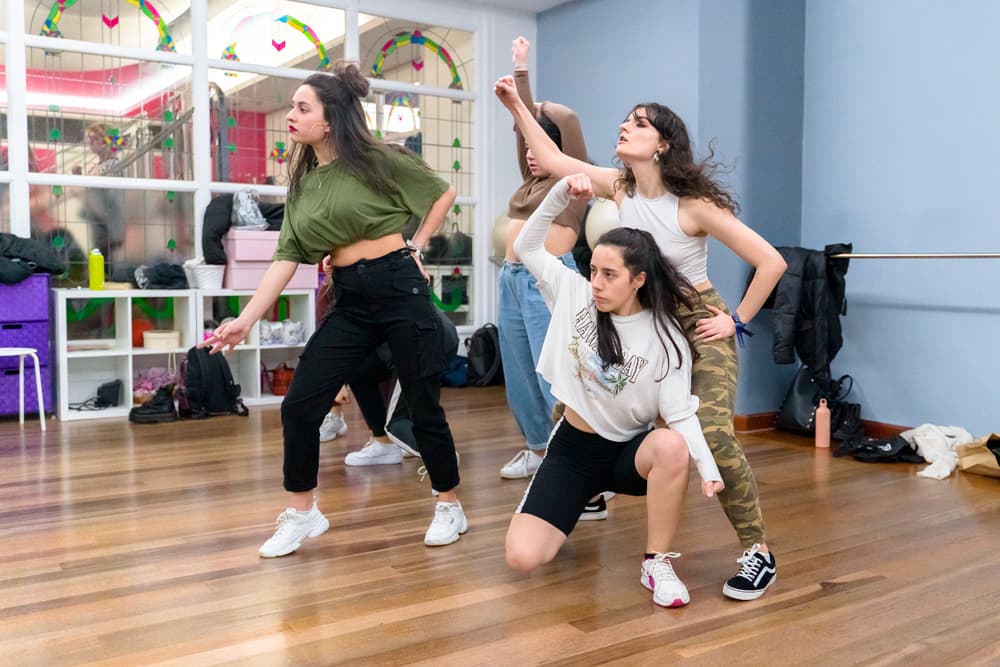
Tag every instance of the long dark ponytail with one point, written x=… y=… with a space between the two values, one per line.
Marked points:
x=664 y=293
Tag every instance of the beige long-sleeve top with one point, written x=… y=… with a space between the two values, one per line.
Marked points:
x=529 y=196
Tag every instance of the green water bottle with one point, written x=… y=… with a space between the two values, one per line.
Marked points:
x=95 y=264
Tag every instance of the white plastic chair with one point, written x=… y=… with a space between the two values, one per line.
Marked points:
x=21 y=353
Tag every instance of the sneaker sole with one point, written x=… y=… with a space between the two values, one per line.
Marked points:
x=593 y=516
x=153 y=419
x=375 y=461
x=678 y=602
x=316 y=532
x=737 y=594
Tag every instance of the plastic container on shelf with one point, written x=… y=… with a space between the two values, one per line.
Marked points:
x=161 y=339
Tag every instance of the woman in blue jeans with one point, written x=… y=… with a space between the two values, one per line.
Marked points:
x=523 y=317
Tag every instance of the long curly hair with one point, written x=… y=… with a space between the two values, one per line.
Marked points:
x=665 y=291
x=350 y=140
x=680 y=173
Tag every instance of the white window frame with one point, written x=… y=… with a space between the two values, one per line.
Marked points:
x=472 y=18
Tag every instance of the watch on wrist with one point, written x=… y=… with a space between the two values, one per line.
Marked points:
x=413 y=248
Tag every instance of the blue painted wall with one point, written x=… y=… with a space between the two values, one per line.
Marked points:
x=732 y=75
x=900 y=155
x=869 y=122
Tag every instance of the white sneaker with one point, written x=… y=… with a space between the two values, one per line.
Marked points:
x=374 y=453
x=658 y=576
x=293 y=527
x=332 y=426
x=523 y=465
x=449 y=522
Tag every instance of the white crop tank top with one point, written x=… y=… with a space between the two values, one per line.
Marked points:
x=689 y=254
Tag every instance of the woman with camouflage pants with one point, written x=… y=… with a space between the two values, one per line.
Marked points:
x=662 y=190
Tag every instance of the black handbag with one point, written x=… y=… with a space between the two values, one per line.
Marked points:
x=798 y=410
x=452 y=248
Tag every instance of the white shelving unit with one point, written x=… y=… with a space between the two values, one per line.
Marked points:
x=246 y=359
x=438 y=272
x=94 y=340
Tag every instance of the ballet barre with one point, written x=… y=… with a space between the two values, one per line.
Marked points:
x=924 y=255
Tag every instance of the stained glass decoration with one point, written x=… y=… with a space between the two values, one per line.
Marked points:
x=279 y=153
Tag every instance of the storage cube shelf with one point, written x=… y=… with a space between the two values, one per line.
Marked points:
x=94 y=340
x=24 y=322
x=249 y=360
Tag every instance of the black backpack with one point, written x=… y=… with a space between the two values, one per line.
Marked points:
x=208 y=388
x=485 y=366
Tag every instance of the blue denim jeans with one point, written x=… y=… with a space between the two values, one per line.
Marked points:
x=523 y=319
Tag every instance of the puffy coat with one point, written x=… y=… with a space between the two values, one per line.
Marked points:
x=808 y=302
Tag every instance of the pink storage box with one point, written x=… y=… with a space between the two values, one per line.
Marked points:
x=248 y=254
x=243 y=245
x=247 y=275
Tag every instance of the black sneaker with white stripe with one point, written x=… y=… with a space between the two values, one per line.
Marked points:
x=595 y=510
x=757 y=573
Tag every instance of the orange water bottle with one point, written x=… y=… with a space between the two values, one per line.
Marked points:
x=95 y=264
x=822 y=424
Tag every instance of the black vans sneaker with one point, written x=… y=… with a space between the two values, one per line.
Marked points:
x=757 y=573
x=595 y=509
x=156 y=410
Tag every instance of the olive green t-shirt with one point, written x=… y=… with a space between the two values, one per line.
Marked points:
x=333 y=208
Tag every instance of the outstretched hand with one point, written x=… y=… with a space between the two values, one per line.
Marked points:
x=580 y=186
x=717 y=327
x=506 y=92
x=711 y=488
x=227 y=335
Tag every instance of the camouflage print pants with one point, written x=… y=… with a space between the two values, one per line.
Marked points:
x=713 y=381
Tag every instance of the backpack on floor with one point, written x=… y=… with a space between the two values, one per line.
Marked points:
x=485 y=365
x=208 y=387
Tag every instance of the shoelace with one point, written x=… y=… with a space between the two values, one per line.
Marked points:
x=283 y=523
x=661 y=565
x=750 y=563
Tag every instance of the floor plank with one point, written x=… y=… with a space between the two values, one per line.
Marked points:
x=129 y=545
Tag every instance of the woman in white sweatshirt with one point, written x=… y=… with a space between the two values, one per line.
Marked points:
x=615 y=378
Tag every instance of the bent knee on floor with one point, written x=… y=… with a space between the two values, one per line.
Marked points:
x=525 y=558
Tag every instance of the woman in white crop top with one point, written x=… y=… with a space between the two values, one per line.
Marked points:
x=616 y=377
x=662 y=190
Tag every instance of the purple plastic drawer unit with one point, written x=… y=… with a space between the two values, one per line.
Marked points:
x=24 y=322
x=8 y=389
x=25 y=334
x=26 y=301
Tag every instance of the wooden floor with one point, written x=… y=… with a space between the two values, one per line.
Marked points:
x=137 y=545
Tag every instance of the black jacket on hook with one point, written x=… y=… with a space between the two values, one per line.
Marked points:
x=808 y=302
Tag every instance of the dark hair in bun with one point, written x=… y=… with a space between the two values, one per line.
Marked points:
x=353 y=146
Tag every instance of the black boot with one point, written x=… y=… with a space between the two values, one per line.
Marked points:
x=156 y=410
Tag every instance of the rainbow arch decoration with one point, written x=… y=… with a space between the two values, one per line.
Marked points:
x=418 y=39
x=50 y=28
x=229 y=53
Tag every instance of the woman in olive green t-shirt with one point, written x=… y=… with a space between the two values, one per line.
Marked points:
x=350 y=196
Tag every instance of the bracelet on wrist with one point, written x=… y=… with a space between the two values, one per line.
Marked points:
x=415 y=249
x=741 y=329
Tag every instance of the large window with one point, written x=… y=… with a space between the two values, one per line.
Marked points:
x=126 y=148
